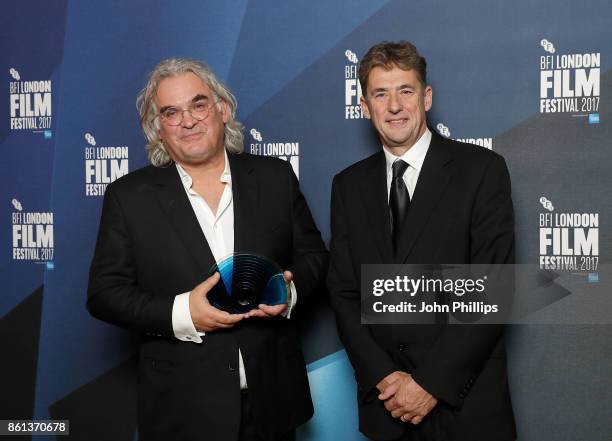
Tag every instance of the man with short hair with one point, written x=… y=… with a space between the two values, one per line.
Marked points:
x=422 y=199
x=205 y=373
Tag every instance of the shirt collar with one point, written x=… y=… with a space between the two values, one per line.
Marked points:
x=226 y=175
x=415 y=156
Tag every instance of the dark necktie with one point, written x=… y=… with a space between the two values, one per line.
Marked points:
x=399 y=200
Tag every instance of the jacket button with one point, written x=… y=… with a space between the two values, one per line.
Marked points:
x=231 y=368
x=401 y=347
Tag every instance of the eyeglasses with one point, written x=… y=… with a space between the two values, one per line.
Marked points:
x=173 y=116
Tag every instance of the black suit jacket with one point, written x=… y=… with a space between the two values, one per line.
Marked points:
x=150 y=248
x=461 y=212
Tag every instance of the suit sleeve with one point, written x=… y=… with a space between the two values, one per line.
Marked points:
x=453 y=364
x=113 y=293
x=370 y=361
x=309 y=257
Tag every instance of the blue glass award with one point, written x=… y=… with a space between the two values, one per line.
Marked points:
x=247 y=280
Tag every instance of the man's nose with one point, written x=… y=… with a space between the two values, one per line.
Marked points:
x=394 y=105
x=188 y=120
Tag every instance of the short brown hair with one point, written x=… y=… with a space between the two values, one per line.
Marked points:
x=402 y=54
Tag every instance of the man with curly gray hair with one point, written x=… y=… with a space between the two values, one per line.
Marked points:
x=148 y=110
x=205 y=373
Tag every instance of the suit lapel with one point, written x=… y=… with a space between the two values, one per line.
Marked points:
x=245 y=195
x=374 y=191
x=176 y=206
x=432 y=182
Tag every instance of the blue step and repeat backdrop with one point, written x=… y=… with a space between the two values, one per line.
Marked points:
x=529 y=79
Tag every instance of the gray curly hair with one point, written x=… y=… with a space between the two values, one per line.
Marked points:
x=145 y=102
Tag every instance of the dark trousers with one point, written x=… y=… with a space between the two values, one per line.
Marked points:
x=247 y=424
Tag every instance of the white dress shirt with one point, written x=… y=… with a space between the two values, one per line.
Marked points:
x=218 y=230
x=414 y=157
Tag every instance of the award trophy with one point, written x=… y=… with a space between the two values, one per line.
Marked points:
x=247 y=280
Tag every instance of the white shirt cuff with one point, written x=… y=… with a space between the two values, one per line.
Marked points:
x=183 y=326
x=292 y=300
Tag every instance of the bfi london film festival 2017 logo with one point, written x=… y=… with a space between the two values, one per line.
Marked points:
x=103 y=165
x=287 y=151
x=352 y=87
x=32 y=235
x=30 y=104
x=482 y=142
x=570 y=83
x=568 y=241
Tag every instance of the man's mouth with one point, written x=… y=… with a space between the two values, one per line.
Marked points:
x=192 y=136
x=397 y=121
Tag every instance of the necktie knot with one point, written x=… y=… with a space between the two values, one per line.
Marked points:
x=399 y=168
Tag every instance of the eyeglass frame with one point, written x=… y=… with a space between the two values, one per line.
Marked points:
x=182 y=111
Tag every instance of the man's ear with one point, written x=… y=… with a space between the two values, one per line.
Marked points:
x=428 y=97
x=364 y=107
x=224 y=111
